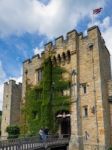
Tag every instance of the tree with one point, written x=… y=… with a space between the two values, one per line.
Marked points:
x=43 y=101
x=13 y=131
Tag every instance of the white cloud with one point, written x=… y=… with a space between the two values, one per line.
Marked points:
x=2 y=73
x=106 y=23
x=1 y=95
x=53 y=19
x=2 y=78
x=107 y=35
x=37 y=50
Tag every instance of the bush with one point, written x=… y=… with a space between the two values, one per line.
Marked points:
x=13 y=131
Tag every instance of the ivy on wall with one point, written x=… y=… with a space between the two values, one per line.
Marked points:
x=46 y=99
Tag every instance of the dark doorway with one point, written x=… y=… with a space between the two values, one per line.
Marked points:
x=63 y=118
x=65 y=127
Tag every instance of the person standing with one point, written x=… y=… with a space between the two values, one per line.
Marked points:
x=41 y=134
x=46 y=130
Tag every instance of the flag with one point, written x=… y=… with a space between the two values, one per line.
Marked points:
x=97 y=11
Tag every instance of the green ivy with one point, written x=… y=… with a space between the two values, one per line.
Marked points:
x=44 y=100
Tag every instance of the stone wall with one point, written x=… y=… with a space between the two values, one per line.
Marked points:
x=11 y=106
x=90 y=60
x=110 y=103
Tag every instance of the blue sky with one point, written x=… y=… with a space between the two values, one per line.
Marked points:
x=26 y=25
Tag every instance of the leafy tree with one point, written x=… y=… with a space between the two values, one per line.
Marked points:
x=44 y=100
x=13 y=131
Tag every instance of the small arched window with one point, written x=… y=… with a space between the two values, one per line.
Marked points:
x=68 y=55
x=26 y=72
x=64 y=56
x=59 y=58
x=54 y=60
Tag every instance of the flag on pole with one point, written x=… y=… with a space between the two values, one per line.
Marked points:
x=97 y=11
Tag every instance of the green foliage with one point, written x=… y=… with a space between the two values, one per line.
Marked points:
x=43 y=101
x=32 y=109
x=110 y=148
x=13 y=131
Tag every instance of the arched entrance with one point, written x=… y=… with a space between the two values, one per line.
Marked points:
x=64 y=123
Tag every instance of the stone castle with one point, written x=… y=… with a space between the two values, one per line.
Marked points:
x=11 y=106
x=87 y=61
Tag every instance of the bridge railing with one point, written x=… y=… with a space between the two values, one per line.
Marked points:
x=29 y=143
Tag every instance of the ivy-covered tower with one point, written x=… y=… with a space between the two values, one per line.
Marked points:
x=82 y=65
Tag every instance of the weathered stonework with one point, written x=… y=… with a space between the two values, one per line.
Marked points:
x=110 y=103
x=90 y=60
x=87 y=62
x=11 y=106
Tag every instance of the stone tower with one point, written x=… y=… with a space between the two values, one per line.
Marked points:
x=11 y=106
x=87 y=61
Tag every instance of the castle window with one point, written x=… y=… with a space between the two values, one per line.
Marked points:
x=68 y=56
x=59 y=58
x=86 y=135
x=39 y=74
x=64 y=56
x=90 y=45
x=84 y=88
x=54 y=60
x=93 y=110
x=26 y=72
x=85 y=111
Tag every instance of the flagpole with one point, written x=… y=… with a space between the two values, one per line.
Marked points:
x=92 y=18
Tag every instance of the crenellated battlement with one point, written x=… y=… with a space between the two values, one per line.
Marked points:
x=48 y=46
x=12 y=82
x=36 y=57
x=59 y=41
x=27 y=61
x=71 y=37
x=80 y=35
x=91 y=29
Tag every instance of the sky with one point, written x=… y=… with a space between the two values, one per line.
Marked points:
x=26 y=25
